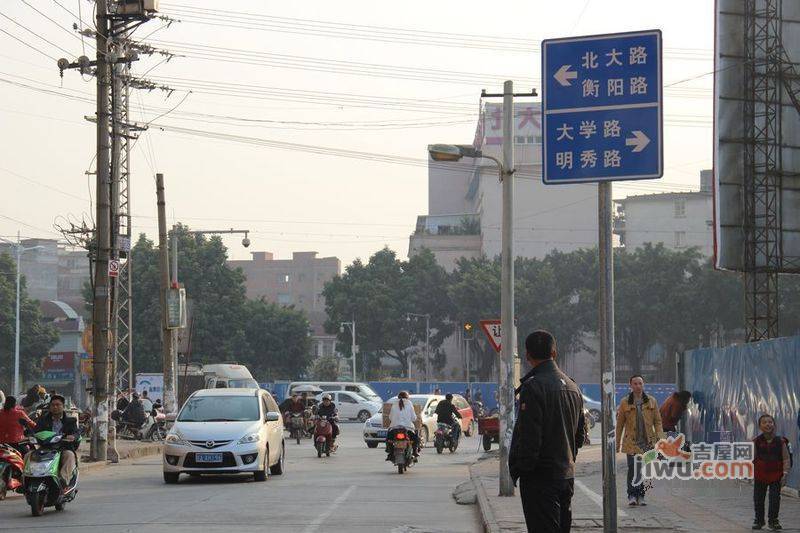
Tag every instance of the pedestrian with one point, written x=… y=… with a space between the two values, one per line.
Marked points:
x=673 y=408
x=147 y=404
x=547 y=434
x=639 y=419
x=772 y=464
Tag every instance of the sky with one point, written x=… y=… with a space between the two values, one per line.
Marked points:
x=283 y=113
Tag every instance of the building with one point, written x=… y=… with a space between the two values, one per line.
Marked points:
x=465 y=204
x=678 y=220
x=298 y=281
x=53 y=272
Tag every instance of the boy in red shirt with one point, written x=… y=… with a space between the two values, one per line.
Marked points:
x=772 y=466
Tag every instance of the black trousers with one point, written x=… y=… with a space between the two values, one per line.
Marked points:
x=760 y=492
x=547 y=504
x=633 y=490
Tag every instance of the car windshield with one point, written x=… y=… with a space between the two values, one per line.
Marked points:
x=220 y=409
x=244 y=383
x=415 y=401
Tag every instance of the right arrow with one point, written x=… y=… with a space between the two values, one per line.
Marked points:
x=639 y=141
x=563 y=75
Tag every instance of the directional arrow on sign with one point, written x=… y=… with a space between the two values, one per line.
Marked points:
x=639 y=141
x=564 y=74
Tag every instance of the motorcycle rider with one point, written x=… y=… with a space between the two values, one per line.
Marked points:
x=446 y=413
x=403 y=415
x=134 y=414
x=328 y=408
x=34 y=398
x=11 y=419
x=59 y=423
x=147 y=403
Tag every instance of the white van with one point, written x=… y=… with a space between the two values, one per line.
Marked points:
x=362 y=389
x=228 y=376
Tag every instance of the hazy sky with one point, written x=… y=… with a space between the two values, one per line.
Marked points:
x=284 y=62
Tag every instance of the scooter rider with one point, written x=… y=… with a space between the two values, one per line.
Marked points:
x=328 y=408
x=134 y=413
x=403 y=415
x=12 y=418
x=56 y=421
x=446 y=413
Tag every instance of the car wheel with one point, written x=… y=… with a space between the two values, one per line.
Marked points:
x=278 y=468
x=261 y=475
x=363 y=416
x=372 y=444
x=170 y=478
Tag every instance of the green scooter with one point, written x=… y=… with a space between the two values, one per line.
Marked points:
x=41 y=483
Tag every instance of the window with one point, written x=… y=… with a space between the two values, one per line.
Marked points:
x=680 y=208
x=285 y=299
x=680 y=239
x=220 y=409
x=272 y=404
x=284 y=278
x=346 y=398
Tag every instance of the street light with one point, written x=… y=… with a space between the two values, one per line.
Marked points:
x=19 y=249
x=450 y=153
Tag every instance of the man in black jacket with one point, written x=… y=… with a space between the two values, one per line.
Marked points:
x=58 y=422
x=446 y=413
x=547 y=434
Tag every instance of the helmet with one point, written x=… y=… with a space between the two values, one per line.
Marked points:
x=326 y=396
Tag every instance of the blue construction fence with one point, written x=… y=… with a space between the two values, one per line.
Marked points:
x=388 y=389
x=732 y=387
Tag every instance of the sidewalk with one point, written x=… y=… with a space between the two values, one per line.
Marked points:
x=127 y=449
x=688 y=506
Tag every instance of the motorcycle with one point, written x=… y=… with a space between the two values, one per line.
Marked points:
x=445 y=438
x=41 y=483
x=323 y=436
x=155 y=427
x=402 y=448
x=296 y=426
x=11 y=465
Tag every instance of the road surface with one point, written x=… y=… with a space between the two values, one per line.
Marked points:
x=353 y=491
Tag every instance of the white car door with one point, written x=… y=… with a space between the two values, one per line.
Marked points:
x=348 y=406
x=274 y=430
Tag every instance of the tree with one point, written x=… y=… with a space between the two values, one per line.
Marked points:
x=325 y=368
x=36 y=336
x=379 y=295
x=225 y=326
x=278 y=341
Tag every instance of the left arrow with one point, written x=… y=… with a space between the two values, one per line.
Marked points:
x=564 y=74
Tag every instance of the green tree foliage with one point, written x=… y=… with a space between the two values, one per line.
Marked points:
x=279 y=346
x=379 y=294
x=36 y=336
x=325 y=368
x=272 y=341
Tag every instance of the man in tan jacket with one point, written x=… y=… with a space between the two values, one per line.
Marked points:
x=638 y=429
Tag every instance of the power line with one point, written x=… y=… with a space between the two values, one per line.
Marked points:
x=28 y=45
x=36 y=34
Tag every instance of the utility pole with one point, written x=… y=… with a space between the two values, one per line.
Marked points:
x=509 y=343
x=100 y=303
x=353 y=347
x=607 y=356
x=167 y=346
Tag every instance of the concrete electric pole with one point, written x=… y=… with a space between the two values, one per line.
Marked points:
x=169 y=355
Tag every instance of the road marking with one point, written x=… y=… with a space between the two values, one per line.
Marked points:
x=314 y=525
x=596 y=498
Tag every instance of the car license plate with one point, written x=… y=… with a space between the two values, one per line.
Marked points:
x=382 y=434
x=209 y=457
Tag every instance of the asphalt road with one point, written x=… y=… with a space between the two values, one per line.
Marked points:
x=355 y=490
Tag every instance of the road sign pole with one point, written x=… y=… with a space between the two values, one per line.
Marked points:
x=608 y=398
x=506 y=374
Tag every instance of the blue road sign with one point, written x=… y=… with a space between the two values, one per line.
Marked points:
x=602 y=108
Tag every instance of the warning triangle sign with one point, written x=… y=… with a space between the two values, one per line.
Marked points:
x=493 y=332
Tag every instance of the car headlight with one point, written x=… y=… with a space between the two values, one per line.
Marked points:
x=176 y=439
x=252 y=437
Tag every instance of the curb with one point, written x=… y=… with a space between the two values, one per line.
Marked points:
x=134 y=453
x=490 y=524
